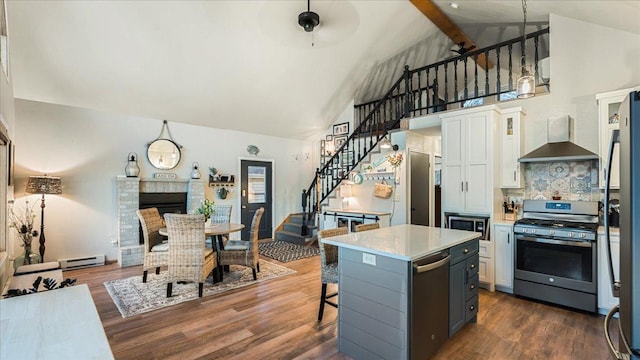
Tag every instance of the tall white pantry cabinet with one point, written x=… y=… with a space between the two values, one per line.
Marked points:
x=480 y=151
x=467 y=171
x=467 y=150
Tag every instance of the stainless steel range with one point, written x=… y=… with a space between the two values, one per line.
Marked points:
x=556 y=253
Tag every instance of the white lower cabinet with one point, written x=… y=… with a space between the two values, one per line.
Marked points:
x=502 y=236
x=606 y=300
x=334 y=218
x=485 y=265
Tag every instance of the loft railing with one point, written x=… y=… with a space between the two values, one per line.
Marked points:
x=417 y=92
x=453 y=81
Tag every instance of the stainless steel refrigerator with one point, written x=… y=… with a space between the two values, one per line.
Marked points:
x=627 y=288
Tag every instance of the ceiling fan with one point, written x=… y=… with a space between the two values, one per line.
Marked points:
x=308 y=19
x=461 y=50
x=291 y=24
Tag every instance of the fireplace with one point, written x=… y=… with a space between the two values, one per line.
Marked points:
x=165 y=202
x=171 y=195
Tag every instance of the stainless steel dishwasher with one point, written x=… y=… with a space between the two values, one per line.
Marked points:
x=429 y=304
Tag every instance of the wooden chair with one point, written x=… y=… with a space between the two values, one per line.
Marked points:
x=365 y=227
x=156 y=253
x=189 y=259
x=245 y=253
x=328 y=265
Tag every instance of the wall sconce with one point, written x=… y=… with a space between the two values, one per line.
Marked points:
x=386 y=144
x=195 y=172
x=132 y=169
x=345 y=193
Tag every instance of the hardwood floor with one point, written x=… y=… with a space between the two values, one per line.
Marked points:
x=277 y=319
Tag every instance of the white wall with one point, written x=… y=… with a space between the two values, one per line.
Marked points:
x=8 y=120
x=586 y=59
x=89 y=148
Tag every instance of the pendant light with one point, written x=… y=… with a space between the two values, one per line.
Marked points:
x=526 y=85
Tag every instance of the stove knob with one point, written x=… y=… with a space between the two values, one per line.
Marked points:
x=583 y=235
x=551 y=232
x=533 y=231
x=525 y=230
x=570 y=234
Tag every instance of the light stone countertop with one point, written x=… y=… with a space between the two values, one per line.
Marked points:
x=503 y=222
x=56 y=324
x=403 y=242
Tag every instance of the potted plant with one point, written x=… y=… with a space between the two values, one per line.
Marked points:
x=206 y=209
x=213 y=173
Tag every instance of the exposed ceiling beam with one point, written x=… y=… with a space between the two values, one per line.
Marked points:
x=448 y=27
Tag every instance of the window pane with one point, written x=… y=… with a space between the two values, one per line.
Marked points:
x=257 y=184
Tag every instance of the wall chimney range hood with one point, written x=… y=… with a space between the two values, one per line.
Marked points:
x=558 y=146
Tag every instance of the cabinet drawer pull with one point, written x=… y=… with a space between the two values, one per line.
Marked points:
x=472 y=307
x=473 y=286
x=462 y=186
x=465 y=251
x=473 y=266
x=514 y=175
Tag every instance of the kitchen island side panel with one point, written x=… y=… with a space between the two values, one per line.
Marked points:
x=373 y=306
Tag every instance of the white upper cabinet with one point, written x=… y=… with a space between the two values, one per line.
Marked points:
x=466 y=161
x=609 y=119
x=511 y=148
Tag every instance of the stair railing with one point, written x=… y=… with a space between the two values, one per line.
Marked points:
x=384 y=116
x=418 y=92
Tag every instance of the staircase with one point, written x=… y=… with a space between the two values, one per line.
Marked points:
x=292 y=231
x=417 y=92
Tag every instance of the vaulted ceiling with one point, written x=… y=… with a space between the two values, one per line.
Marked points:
x=242 y=65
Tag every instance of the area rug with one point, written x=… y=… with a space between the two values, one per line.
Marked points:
x=132 y=297
x=284 y=251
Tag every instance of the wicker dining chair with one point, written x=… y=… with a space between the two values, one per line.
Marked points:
x=245 y=253
x=189 y=258
x=221 y=215
x=328 y=266
x=156 y=253
x=365 y=227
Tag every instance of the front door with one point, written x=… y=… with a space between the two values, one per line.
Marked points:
x=256 y=181
x=419 y=188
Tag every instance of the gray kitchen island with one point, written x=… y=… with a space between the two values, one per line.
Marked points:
x=405 y=289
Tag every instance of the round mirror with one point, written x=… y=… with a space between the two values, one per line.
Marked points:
x=163 y=154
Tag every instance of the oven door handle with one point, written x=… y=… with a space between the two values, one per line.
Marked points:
x=556 y=242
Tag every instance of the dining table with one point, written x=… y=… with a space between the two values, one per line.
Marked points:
x=216 y=232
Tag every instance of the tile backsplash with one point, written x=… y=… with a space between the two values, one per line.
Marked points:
x=570 y=180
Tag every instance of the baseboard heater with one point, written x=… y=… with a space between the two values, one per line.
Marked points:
x=81 y=262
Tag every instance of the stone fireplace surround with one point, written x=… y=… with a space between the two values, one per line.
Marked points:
x=130 y=252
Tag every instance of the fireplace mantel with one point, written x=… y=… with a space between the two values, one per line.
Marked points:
x=130 y=252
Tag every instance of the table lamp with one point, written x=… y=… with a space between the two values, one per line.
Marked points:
x=43 y=185
x=345 y=193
